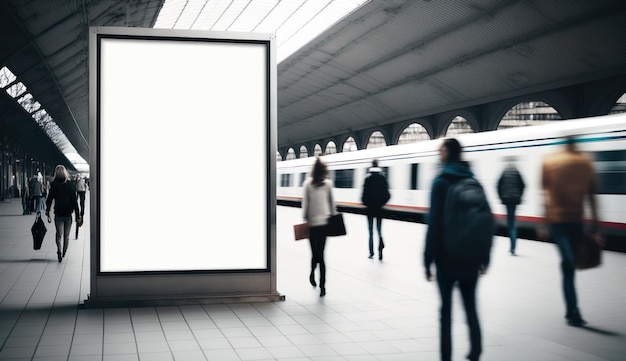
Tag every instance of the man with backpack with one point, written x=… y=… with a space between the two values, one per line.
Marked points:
x=375 y=196
x=458 y=241
x=510 y=190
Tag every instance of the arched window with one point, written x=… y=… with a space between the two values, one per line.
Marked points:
x=620 y=105
x=377 y=140
x=331 y=147
x=291 y=154
x=529 y=113
x=303 y=152
x=317 y=150
x=349 y=145
x=459 y=125
x=413 y=134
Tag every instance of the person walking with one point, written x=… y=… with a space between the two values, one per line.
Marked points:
x=26 y=199
x=452 y=270
x=63 y=194
x=375 y=195
x=81 y=189
x=510 y=190
x=36 y=193
x=568 y=180
x=317 y=205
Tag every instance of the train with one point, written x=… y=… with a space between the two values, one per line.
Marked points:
x=411 y=168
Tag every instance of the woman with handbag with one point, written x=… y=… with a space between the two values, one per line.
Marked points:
x=63 y=194
x=317 y=205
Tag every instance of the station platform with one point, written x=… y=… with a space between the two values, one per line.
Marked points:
x=373 y=310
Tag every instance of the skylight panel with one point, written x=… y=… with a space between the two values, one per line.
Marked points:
x=300 y=18
x=252 y=16
x=6 y=77
x=28 y=103
x=209 y=15
x=229 y=16
x=40 y=115
x=170 y=12
x=190 y=14
x=16 y=90
x=277 y=17
x=294 y=22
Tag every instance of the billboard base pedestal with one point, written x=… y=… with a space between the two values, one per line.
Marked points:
x=205 y=300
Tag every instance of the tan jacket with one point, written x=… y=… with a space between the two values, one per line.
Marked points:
x=568 y=179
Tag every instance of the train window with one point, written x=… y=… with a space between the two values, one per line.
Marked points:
x=414 y=176
x=610 y=167
x=302 y=179
x=285 y=180
x=344 y=178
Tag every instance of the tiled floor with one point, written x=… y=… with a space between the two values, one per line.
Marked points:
x=372 y=311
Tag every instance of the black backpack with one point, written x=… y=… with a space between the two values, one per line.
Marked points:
x=468 y=221
x=376 y=191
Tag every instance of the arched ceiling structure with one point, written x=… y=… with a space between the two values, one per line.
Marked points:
x=387 y=61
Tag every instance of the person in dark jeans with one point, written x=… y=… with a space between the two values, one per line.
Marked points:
x=568 y=180
x=452 y=271
x=510 y=190
x=375 y=196
x=63 y=194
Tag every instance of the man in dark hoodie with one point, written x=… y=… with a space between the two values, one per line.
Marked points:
x=375 y=196
x=510 y=190
x=450 y=270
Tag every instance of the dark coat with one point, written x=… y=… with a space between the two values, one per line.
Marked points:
x=434 y=248
x=375 y=192
x=64 y=196
x=511 y=186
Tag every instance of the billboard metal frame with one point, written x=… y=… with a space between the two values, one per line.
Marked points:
x=187 y=286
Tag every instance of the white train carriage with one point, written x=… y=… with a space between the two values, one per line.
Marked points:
x=411 y=168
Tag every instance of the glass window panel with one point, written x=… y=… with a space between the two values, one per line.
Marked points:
x=16 y=90
x=6 y=77
x=344 y=178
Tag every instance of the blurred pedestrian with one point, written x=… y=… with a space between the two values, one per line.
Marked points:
x=317 y=205
x=568 y=180
x=452 y=269
x=510 y=190
x=63 y=194
x=36 y=193
x=26 y=199
x=375 y=196
x=81 y=189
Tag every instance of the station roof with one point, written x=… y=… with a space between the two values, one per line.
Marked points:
x=384 y=62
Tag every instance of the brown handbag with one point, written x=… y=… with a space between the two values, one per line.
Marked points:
x=588 y=251
x=301 y=231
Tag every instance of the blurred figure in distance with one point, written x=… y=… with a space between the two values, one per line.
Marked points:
x=510 y=190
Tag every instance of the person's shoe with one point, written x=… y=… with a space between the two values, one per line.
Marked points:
x=381 y=245
x=312 y=279
x=371 y=256
x=323 y=292
x=576 y=321
x=59 y=256
x=512 y=252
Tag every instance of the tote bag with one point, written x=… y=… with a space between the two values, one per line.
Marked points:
x=336 y=226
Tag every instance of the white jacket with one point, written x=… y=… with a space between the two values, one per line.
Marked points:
x=318 y=202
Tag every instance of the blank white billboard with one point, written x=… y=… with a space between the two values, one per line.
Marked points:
x=183 y=154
